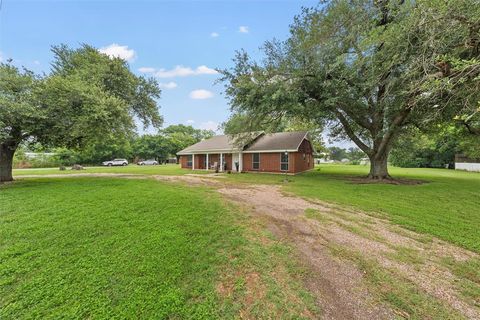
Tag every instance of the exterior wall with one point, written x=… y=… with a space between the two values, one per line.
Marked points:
x=199 y=161
x=270 y=162
x=467 y=166
x=183 y=162
x=228 y=160
x=302 y=161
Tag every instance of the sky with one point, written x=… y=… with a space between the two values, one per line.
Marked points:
x=180 y=43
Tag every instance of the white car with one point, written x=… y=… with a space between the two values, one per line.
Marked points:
x=115 y=162
x=148 y=163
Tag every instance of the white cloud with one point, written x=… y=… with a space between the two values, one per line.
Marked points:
x=36 y=62
x=117 y=51
x=146 y=70
x=168 y=85
x=214 y=34
x=243 y=29
x=205 y=70
x=1 y=56
x=181 y=71
x=189 y=121
x=209 y=125
x=200 y=94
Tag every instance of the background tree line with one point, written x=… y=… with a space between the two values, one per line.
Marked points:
x=160 y=146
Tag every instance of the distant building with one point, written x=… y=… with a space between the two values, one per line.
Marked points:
x=39 y=155
x=364 y=161
x=467 y=164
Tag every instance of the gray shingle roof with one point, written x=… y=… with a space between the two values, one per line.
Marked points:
x=261 y=142
x=280 y=141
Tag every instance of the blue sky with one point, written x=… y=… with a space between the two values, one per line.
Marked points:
x=178 y=42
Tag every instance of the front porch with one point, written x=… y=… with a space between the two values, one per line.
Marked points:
x=211 y=161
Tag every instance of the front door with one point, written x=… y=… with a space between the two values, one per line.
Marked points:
x=235 y=158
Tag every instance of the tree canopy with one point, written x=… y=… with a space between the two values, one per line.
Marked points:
x=368 y=69
x=88 y=97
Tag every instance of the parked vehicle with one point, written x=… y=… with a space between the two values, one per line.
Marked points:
x=115 y=162
x=148 y=163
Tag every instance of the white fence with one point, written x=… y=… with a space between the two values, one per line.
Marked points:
x=467 y=166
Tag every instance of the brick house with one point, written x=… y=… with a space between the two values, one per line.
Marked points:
x=282 y=152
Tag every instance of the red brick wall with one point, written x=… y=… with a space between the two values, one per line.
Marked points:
x=301 y=162
x=270 y=162
x=199 y=162
x=183 y=162
x=228 y=160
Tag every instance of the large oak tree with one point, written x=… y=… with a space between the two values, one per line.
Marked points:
x=367 y=68
x=86 y=98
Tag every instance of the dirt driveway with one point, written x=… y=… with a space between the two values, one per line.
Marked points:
x=361 y=266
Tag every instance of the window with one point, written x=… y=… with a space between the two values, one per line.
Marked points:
x=256 y=161
x=189 y=161
x=284 y=161
x=304 y=156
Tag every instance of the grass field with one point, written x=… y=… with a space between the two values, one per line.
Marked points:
x=95 y=248
x=447 y=205
x=169 y=169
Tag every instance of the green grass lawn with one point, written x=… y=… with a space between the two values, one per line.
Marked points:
x=169 y=169
x=446 y=206
x=103 y=248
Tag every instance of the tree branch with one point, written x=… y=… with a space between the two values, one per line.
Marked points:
x=349 y=131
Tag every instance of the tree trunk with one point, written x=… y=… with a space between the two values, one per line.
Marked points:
x=6 y=162
x=378 y=168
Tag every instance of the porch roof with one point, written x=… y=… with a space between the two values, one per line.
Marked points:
x=221 y=143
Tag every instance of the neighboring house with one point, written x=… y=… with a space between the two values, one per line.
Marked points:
x=39 y=155
x=283 y=152
x=364 y=161
x=464 y=163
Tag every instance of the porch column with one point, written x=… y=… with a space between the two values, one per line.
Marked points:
x=240 y=162
x=207 y=164
x=221 y=162
x=193 y=162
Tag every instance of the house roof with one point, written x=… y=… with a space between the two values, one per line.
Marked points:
x=281 y=141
